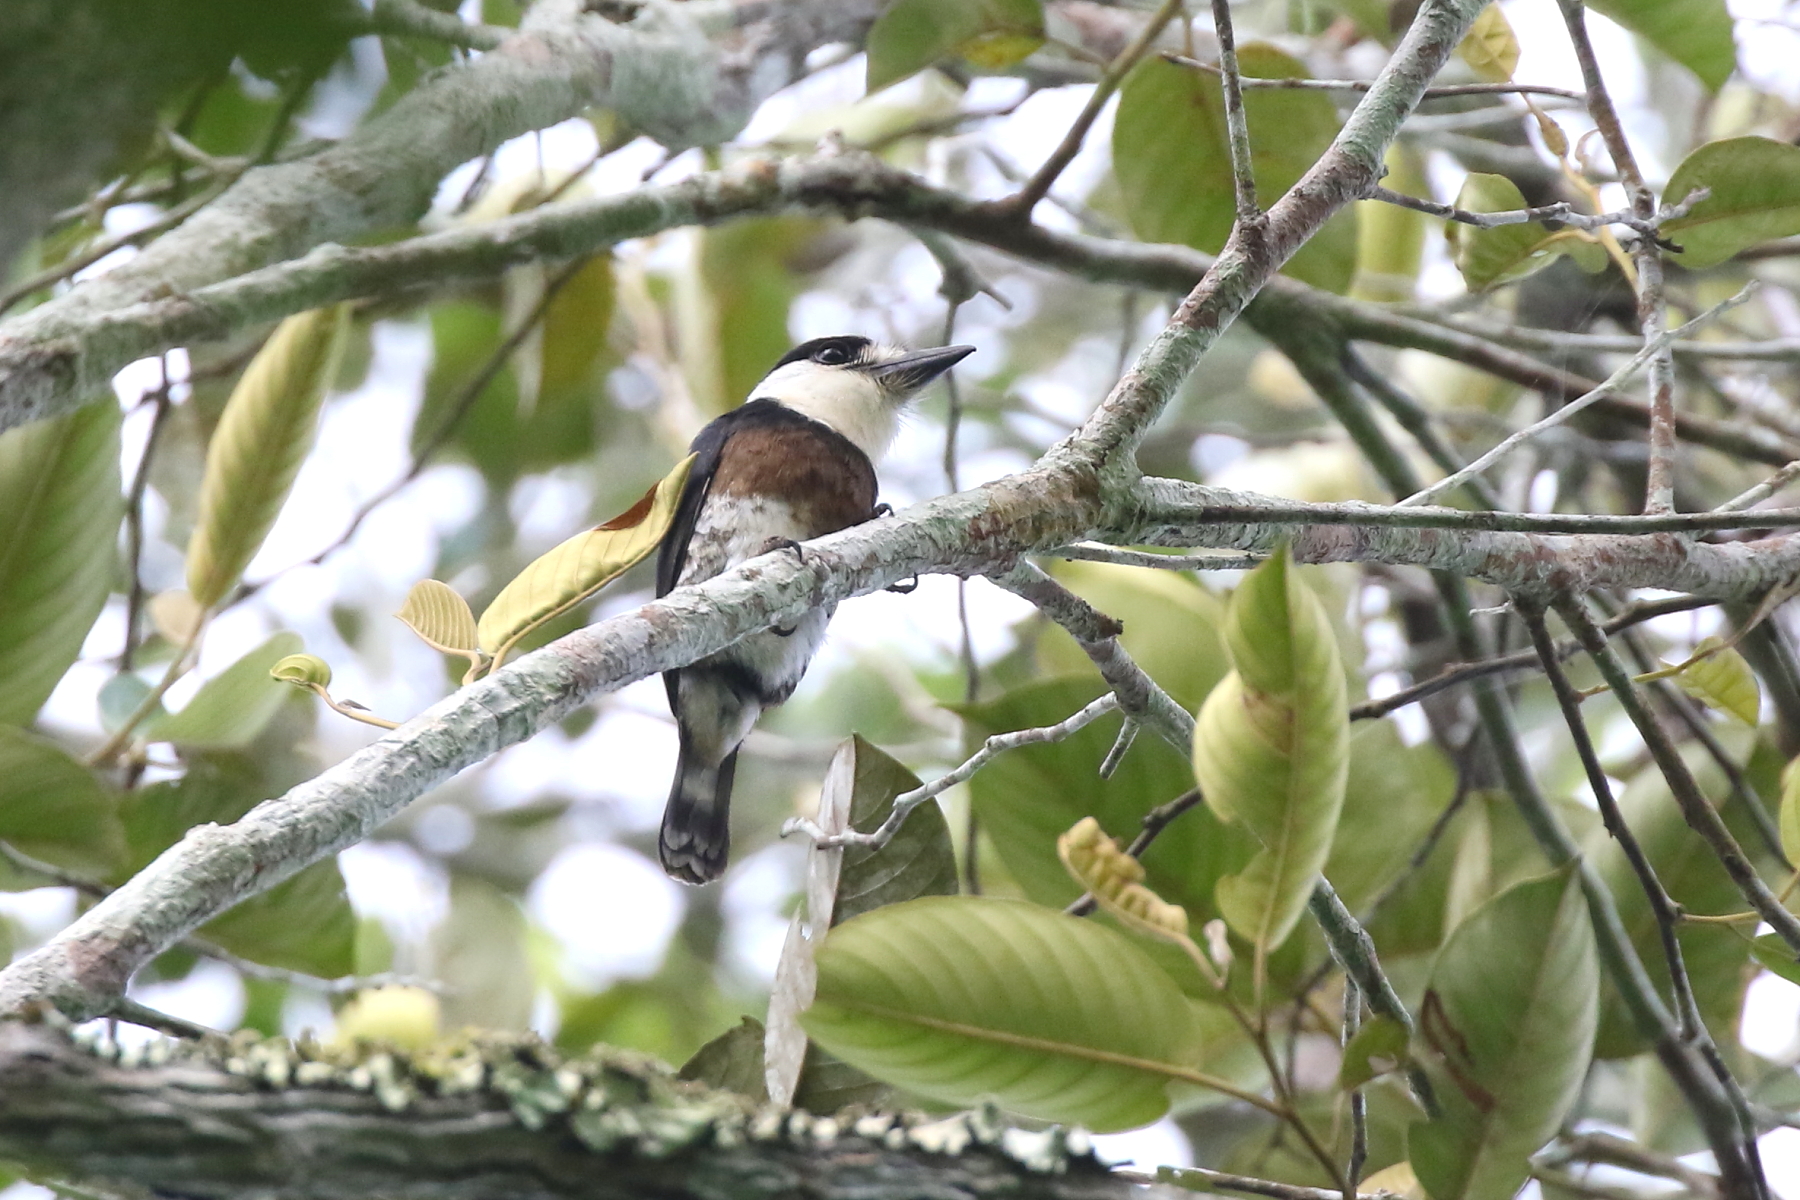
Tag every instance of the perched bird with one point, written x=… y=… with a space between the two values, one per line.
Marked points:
x=794 y=462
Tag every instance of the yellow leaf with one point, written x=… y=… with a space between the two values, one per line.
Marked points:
x=1790 y=811
x=263 y=437
x=175 y=615
x=302 y=670
x=441 y=618
x=1116 y=881
x=1490 y=48
x=1397 y=1180
x=999 y=49
x=581 y=566
x=407 y=1017
x=1555 y=140
x=1272 y=748
x=1718 y=677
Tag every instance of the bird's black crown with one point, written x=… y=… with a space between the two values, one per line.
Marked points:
x=838 y=351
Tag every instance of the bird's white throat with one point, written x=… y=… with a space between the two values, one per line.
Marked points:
x=847 y=401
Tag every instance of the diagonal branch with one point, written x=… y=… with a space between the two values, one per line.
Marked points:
x=1695 y=807
x=658 y=70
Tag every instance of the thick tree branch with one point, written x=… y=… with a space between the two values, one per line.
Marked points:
x=978 y=531
x=500 y=1120
x=686 y=74
x=86 y=347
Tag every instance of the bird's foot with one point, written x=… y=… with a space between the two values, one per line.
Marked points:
x=905 y=587
x=884 y=509
x=785 y=543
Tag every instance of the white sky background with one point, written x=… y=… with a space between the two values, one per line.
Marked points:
x=621 y=764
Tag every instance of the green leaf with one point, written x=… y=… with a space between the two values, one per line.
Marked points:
x=910 y=35
x=733 y=1061
x=1790 y=811
x=1694 y=879
x=1490 y=257
x=59 y=489
x=496 y=430
x=1026 y=798
x=733 y=308
x=1755 y=185
x=573 y=345
x=961 y=998
x=441 y=618
x=478 y=952
x=1490 y=47
x=232 y=707
x=1173 y=161
x=1723 y=680
x=581 y=566
x=1171 y=627
x=302 y=924
x=919 y=861
x=54 y=809
x=1392 y=795
x=1773 y=953
x=1510 y=1016
x=302 y=670
x=1390 y=240
x=256 y=451
x=1695 y=33
x=1379 y=1046
x=1272 y=748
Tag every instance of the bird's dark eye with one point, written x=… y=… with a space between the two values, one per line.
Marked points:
x=831 y=356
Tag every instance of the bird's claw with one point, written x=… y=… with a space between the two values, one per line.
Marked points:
x=905 y=587
x=784 y=543
x=884 y=509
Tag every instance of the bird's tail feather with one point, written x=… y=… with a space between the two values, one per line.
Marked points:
x=696 y=828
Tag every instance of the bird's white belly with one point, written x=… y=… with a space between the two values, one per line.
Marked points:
x=730 y=530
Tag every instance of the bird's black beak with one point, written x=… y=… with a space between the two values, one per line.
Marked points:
x=910 y=372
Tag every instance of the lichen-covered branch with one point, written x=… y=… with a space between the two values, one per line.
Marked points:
x=500 y=1118
x=975 y=532
x=668 y=70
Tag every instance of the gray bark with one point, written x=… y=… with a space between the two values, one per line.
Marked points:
x=191 y=1127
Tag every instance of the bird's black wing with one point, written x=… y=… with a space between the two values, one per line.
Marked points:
x=709 y=443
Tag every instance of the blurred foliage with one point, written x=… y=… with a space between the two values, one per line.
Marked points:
x=521 y=411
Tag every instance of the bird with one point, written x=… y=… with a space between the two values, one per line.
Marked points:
x=795 y=461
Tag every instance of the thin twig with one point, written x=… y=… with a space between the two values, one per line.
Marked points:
x=1450 y=676
x=1359 y=1103
x=446 y=427
x=1562 y=213
x=1763 y=490
x=1695 y=808
x=1688 y=713
x=1363 y=85
x=1140 y=697
x=340 y=986
x=997 y=745
x=99 y=250
x=1659 y=494
x=1038 y=186
x=1237 y=128
x=1597 y=1146
x=1662 y=907
x=1096 y=552
x=1188 y=1177
x=129 y=1010
x=134 y=521
x=1651 y=348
